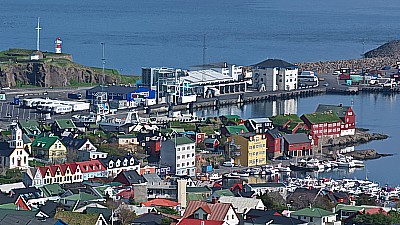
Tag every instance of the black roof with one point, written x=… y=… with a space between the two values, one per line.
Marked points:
x=29 y=192
x=5 y=199
x=246 y=194
x=260 y=212
x=277 y=220
x=273 y=63
x=5 y=149
x=275 y=133
x=112 y=89
x=49 y=208
x=148 y=218
x=75 y=143
x=296 y=138
x=133 y=177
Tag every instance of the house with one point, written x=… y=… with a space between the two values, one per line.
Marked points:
x=242 y=205
x=92 y=169
x=157 y=188
x=161 y=203
x=48 y=210
x=30 y=127
x=63 y=127
x=116 y=164
x=217 y=194
x=248 y=149
x=201 y=211
x=211 y=143
x=151 y=218
x=259 y=125
x=28 y=198
x=82 y=149
x=198 y=193
x=49 y=148
x=129 y=178
x=152 y=146
x=274 y=143
x=200 y=137
x=236 y=129
x=322 y=125
x=55 y=174
x=262 y=188
x=347 y=211
x=345 y=113
x=275 y=75
x=81 y=218
x=231 y=120
x=13 y=154
x=270 y=217
x=289 y=123
x=179 y=153
x=316 y=216
x=297 y=145
x=127 y=139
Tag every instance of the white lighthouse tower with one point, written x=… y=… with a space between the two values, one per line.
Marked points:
x=58 y=43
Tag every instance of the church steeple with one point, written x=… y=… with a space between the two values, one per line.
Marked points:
x=16 y=136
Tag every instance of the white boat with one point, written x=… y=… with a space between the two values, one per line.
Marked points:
x=282 y=169
x=358 y=163
x=233 y=175
x=243 y=174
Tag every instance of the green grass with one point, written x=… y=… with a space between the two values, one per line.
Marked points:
x=106 y=71
x=280 y=120
x=126 y=79
x=35 y=163
x=322 y=117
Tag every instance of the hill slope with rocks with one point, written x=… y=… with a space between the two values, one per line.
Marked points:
x=390 y=49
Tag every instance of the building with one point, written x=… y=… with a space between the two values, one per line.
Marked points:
x=259 y=125
x=232 y=70
x=243 y=205
x=316 y=216
x=249 y=149
x=179 y=153
x=63 y=127
x=14 y=154
x=82 y=149
x=322 y=125
x=30 y=127
x=345 y=113
x=262 y=188
x=55 y=174
x=202 y=211
x=116 y=164
x=297 y=145
x=92 y=169
x=275 y=75
x=235 y=129
x=274 y=143
x=49 y=148
x=169 y=86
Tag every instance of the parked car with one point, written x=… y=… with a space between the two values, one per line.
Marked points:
x=283 y=157
x=228 y=164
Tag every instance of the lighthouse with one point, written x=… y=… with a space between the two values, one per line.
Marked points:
x=58 y=43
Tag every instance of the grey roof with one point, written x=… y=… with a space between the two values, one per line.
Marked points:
x=133 y=177
x=296 y=138
x=339 y=110
x=152 y=178
x=74 y=143
x=148 y=217
x=49 y=208
x=276 y=220
x=5 y=149
x=48 y=221
x=239 y=203
x=18 y=213
x=112 y=89
x=274 y=63
x=260 y=120
x=275 y=133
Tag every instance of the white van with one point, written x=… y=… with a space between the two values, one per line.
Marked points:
x=228 y=164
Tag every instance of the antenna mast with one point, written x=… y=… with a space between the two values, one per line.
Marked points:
x=38 y=28
x=103 y=59
x=204 y=56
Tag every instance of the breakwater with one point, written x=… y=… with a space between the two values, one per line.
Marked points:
x=327 y=67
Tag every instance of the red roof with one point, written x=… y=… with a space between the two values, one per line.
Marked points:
x=237 y=185
x=376 y=211
x=160 y=202
x=90 y=166
x=187 y=221
x=218 y=210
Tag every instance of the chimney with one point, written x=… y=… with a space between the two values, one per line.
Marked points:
x=341 y=105
x=214 y=200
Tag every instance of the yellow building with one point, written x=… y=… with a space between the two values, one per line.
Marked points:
x=49 y=148
x=249 y=149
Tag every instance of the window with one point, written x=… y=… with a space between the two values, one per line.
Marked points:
x=196 y=215
x=311 y=219
x=178 y=157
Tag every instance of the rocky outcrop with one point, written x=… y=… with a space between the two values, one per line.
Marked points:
x=390 y=49
x=45 y=74
x=360 y=137
x=366 y=154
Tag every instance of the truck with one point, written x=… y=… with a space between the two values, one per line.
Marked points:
x=61 y=109
x=75 y=95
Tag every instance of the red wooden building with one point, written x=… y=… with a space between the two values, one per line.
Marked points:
x=322 y=125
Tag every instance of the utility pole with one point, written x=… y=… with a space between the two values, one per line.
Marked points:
x=204 y=55
x=38 y=28
x=103 y=59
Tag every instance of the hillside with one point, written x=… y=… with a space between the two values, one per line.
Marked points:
x=390 y=49
x=17 y=69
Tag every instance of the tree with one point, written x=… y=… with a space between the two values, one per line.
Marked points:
x=166 y=221
x=125 y=215
x=364 y=199
x=273 y=201
x=167 y=210
x=374 y=219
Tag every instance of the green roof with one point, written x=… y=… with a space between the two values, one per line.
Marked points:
x=29 y=126
x=339 y=110
x=224 y=192
x=82 y=196
x=238 y=129
x=280 y=120
x=195 y=197
x=182 y=140
x=126 y=136
x=52 y=189
x=44 y=142
x=198 y=189
x=8 y=206
x=76 y=218
x=315 y=118
x=65 y=124
x=231 y=117
x=313 y=212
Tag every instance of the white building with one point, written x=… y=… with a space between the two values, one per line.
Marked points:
x=275 y=75
x=232 y=70
x=179 y=154
x=13 y=154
